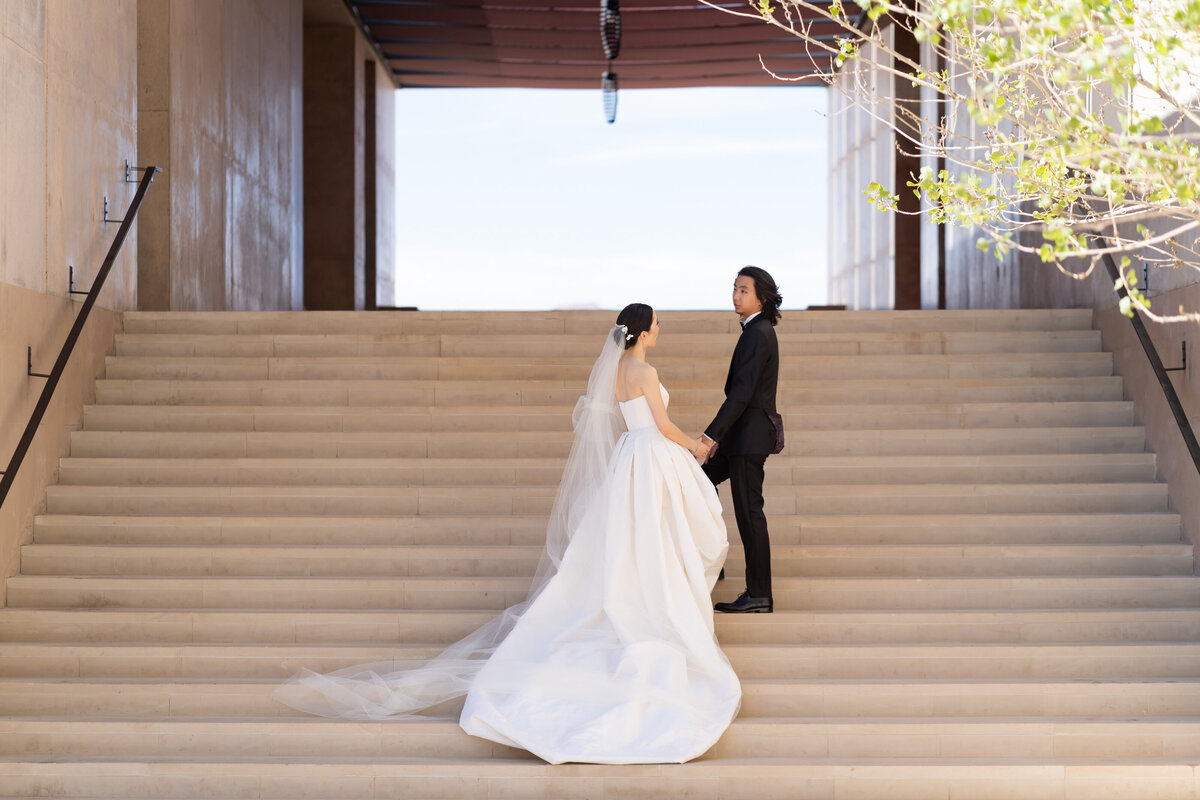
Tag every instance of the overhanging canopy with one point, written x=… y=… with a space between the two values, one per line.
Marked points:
x=521 y=43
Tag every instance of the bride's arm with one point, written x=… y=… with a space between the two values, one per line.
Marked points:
x=649 y=386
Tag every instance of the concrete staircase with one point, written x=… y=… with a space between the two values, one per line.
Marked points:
x=981 y=591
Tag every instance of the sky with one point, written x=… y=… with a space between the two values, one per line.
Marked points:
x=522 y=199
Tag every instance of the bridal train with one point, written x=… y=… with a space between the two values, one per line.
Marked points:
x=612 y=658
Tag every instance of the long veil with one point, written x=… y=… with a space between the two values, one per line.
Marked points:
x=407 y=688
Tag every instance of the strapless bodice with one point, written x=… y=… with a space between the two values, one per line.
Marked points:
x=637 y=411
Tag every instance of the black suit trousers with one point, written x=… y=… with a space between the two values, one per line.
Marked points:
x=745 y=476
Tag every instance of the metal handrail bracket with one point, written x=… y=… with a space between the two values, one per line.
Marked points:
x=60 y=365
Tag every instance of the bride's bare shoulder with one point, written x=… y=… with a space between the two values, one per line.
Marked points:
x=632 y=378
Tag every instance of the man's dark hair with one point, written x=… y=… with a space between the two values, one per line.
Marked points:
x=766 y=290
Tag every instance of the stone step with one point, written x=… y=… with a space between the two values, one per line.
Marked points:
x=353 y=626
x=419 y=392
x=944 y=699
x=676 y=345
x=523 y=501
x=501 y=417
x=786 y=530
x=443 y=445
x=761 y=699
x=674 y=371
x=801 y=737
x=521 y=560
x=529 y=779
x=593 y=323
x=941 y=662
x=700 y=399
x=546 y=472
x=257 y=493
x=496 y=593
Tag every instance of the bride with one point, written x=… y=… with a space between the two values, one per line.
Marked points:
x=611 y=658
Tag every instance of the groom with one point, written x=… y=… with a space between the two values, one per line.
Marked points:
x=742 y=435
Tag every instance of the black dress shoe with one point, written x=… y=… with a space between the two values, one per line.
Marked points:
x=721 y=577
x=745 y=604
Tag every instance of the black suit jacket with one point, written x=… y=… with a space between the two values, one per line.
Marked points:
x=741 y=426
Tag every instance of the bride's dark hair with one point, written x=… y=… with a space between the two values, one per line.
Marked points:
x=636 y=317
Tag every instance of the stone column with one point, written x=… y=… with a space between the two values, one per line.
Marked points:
x=334 y=208
x=154 y=147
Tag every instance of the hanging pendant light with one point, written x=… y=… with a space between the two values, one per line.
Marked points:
x=610 y=37
x=608 y=89
x=610 y=28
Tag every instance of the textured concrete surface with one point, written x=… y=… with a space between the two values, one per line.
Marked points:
x=220 y=110
x=68 y=94
x=31 y=318
x=68 y=125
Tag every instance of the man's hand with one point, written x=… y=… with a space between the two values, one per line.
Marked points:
x=712 y=448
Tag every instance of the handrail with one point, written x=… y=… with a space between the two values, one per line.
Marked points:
x=39 y=411
x=1160 y=372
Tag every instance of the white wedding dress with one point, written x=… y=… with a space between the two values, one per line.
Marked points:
x=611 y=659
x=615 y=662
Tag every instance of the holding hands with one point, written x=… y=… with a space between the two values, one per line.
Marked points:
x=703 y=448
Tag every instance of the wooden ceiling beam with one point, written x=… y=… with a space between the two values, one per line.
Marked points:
x=557 y=44
x=585 y=72
x=450 y=81
x=593 y=54
x=397 y=35
x=560 y=19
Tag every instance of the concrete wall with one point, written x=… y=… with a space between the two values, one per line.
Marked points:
x=212 y=91
x=349 y=173
x=68 y=125
x=220 y=86
x=385 y=187
x=68 y=122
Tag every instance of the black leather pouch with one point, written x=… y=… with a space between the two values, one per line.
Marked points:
x=777 y=424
